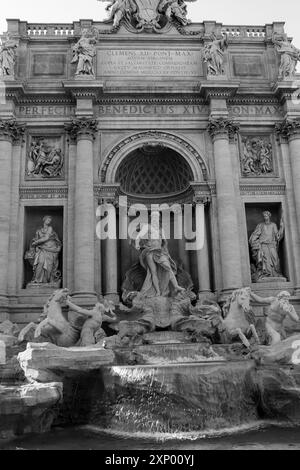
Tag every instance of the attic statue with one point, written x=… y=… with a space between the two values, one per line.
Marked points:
x=8 y=56
x=289 y=57
x=84 y=52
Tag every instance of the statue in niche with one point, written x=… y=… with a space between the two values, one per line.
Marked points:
x=289 y=55
x=84 y=52
x=257 y=156
x=8 y=56
x=174 y=9
x=155 y=259
x=264 y=243
x=44 y=160
x=213 y=55
x=43 y=255
x=279 y=308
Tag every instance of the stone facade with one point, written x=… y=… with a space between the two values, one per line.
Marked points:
x=69 y=128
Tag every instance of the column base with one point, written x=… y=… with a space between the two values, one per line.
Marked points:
x=4 y=310
x=85 y=298
x=206 y=294
x=297 y=292
x=113 y=297
x=227 y=292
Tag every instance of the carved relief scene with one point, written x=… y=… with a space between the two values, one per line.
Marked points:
x=256 y=156
x=45 y=158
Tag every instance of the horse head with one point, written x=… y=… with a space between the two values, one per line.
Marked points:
x=60 y=295
x=242 y=299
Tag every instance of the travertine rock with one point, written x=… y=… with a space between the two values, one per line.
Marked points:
x=9 y=328
x=9 y=340
x=27 y=333
x=285 y=352
x=44 y=361
x=28 y=408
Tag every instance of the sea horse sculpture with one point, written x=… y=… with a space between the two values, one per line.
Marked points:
x=237 y=321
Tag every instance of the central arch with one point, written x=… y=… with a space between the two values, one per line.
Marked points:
x=110 y=165
x=153 y=167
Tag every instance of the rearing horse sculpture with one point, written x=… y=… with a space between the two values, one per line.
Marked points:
x=236 y=322
x=55 y=327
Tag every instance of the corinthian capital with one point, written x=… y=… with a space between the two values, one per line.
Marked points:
x=288 y=128
x=11 y=130
x=221 y=126
x=82 y=127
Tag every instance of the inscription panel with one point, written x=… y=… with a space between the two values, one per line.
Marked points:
x=251 y=66
x=153 y=110
x=151 y=62
x=45 y=111
x=48 y=64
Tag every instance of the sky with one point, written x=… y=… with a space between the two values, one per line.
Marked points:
x=228 y=12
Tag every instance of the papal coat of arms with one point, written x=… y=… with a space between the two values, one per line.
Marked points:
x=147 y=15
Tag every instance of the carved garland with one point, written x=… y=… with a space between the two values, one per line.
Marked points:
x=150 y=135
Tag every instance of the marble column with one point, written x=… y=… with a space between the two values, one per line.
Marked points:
x=83 y=131
x=203 y=265
x=13 y=263
x=9 y=131
x=110 y=267
x=291 y=130
x=221 y=130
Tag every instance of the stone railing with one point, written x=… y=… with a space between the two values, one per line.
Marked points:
x=37 y=29
x=67 y=30
x=245 y=31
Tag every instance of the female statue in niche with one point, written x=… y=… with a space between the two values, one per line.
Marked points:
x=264 y=243
x=43 y=254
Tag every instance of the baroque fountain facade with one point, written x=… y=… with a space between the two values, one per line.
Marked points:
x=139 y=333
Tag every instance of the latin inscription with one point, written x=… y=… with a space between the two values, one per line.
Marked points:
x=136 y=62
x=150 y=109
x=39 y=111
x=252 y=110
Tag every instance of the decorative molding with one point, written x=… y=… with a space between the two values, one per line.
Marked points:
x=221 y=126
x=262 y=190
x=151 y=135
x=82 y=126
x=252 y=99
x=42 y=192
x=115 y=100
